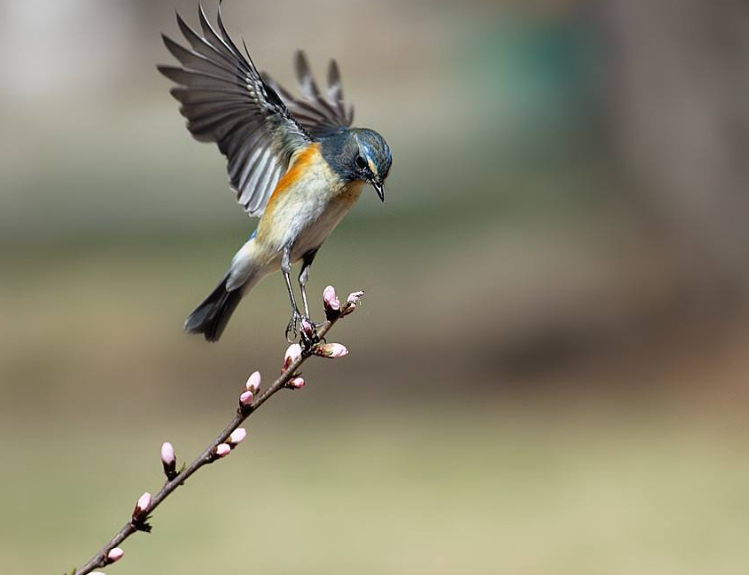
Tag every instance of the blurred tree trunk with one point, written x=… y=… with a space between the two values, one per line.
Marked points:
x=678 y=73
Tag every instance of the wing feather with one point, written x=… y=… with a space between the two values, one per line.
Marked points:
x=335 y=88
x=227 y=101
x=309 y=86
x=318 y=115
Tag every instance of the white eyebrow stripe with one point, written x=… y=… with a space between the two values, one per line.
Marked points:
x=372 y=166
x=364 y=149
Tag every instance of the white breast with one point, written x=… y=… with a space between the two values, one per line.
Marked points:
x=315 y=224
x=306 y=214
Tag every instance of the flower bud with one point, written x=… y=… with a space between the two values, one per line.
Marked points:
x=330 y=302
x=297 y=383
x=352 y=302
x=223 y=449
x=246 y=399
x=237 y=436
x=168 y=459
x=331 y=350
x=308 y=329
x=115 y=554
x=142 y=507
x=253 y=383
x=167 y=454
x=292 y=354
x=355 y=297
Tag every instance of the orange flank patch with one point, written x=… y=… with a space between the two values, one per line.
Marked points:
x=303 y=161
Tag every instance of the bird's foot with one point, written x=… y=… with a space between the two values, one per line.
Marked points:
x=292 y=331
x=309 y=336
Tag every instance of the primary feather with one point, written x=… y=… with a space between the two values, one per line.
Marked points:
x=320 y=117
x=226 y=101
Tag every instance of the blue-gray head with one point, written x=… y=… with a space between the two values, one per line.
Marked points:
x=359 y=154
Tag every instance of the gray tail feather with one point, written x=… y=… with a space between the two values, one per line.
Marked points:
x=211 y=316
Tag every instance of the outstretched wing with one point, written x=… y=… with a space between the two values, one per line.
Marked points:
x=226 y=101
x=318 y=115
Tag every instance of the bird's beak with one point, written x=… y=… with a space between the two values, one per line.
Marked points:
x=379 y=188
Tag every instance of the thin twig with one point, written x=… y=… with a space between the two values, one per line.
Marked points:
x=101 y=559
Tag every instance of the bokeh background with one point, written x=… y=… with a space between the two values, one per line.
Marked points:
x=549 y=374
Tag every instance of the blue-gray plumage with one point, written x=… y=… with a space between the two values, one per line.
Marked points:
x=359 y=154
x=294 y=162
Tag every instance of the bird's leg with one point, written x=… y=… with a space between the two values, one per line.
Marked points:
x=291 y=328
x=307 y=259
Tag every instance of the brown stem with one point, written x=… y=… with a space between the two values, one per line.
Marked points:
x=208 y=455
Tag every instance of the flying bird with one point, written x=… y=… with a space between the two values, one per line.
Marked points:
x=294 y=162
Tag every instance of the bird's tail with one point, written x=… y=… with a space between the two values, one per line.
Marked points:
x=212 y=315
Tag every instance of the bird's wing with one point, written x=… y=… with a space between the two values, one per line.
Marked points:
x=318 y=115
x=226 y=100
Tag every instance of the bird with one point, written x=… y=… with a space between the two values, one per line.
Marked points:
x=296 y=163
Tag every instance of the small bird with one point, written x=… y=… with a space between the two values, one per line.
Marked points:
x=295 y=163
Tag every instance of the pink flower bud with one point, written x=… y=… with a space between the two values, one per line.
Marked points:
x=331 y=350
x=297 y=383
x=237 y=436
x=355 y=297
x=115 y=554
x=307 y=328
x=253 y=383
x=352 y=302
x=292 y=354
x=168 y=460
x=167 y=454
x=223 y=449
x=330 y=301
x=142 y=507
x=246 y=399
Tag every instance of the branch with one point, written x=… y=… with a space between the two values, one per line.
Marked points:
x=232 y=435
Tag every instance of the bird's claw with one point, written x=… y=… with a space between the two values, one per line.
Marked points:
x=303 y=328
x=292 y=331
x=308 y=333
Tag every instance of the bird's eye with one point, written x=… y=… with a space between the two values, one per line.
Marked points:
x=361 y=163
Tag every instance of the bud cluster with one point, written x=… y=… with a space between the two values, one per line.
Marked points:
x=333 y=306
x=237 y=436
x=292 y=355
x=252 y=388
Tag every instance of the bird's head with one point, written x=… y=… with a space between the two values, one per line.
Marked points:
x=359 y=154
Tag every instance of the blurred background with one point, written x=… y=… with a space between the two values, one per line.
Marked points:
x=549 y=374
